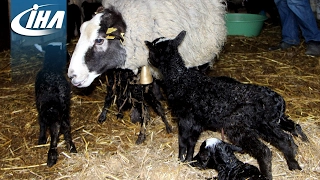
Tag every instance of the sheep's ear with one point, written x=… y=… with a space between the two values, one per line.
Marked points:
x=179 y=38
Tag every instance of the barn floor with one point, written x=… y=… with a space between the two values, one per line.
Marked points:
x=108 y=150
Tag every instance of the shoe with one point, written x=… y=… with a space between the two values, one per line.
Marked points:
x=282 y=46
x=313 y=48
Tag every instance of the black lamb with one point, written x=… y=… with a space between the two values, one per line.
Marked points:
x=244 y=112
x=52 y=92
x=219 y=155
x=122 y=86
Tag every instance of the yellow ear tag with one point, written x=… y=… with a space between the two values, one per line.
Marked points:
x=111 y=30
x=110 y=37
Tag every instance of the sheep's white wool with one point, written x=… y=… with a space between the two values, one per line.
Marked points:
x=150 y=19
x=212 y=142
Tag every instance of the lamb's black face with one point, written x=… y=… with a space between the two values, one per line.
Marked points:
x=214 y=152
x=160 y=48
x=157 y=48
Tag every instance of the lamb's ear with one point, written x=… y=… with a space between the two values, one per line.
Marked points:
x=148 y=44
x=39 y=47
x=235 y=148
x=179 y=38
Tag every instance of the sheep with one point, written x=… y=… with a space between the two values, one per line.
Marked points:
x=123 y=87
x=52 y=92
x=130 y=22
x=244 y=112
x=219 y=155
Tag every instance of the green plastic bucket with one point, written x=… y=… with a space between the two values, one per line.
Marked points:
x=244 y=24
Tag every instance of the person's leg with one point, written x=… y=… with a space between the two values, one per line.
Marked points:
x=305 y=18
x=290 y=27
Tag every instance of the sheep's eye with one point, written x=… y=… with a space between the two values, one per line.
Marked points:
x=99 y=41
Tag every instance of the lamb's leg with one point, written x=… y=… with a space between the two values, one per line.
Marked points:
x=248 y=140
x=282 y=141
x=66 y=130
x=156 y=90
x=108 y=99
x=43 y=129
x=189 y=133
x=151 y=99
x=53 y=153
x=295 y=129
x=143 y=129
x=136 y=114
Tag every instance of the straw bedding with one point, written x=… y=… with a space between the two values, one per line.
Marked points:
x=108 y=150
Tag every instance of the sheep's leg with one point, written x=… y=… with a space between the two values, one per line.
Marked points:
x=282 y=141
x=43 y=129
x=151 y=99
x=53 y=153
x=66 y=130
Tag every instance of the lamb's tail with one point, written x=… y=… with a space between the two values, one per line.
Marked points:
x=295 y=129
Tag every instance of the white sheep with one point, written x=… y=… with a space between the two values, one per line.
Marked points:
x=141 y=20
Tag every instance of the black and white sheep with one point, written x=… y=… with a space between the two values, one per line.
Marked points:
x=52 y=91
x=245 y=112
x=131 y=22
x=219 y=155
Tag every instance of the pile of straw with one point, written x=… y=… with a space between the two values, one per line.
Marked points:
x=108 y=150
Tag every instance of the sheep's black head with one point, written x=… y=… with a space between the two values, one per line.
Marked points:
x=162 y=47
x=214 y=152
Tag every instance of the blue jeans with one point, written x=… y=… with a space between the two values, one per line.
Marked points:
x=295 y=15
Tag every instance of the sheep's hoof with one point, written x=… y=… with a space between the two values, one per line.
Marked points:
x=52 y=157
x=141 y=138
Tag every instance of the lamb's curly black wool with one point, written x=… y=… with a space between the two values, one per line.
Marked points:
x=245 y=112
x=52 y=92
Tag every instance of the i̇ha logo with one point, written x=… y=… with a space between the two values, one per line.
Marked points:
x=33 y=27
